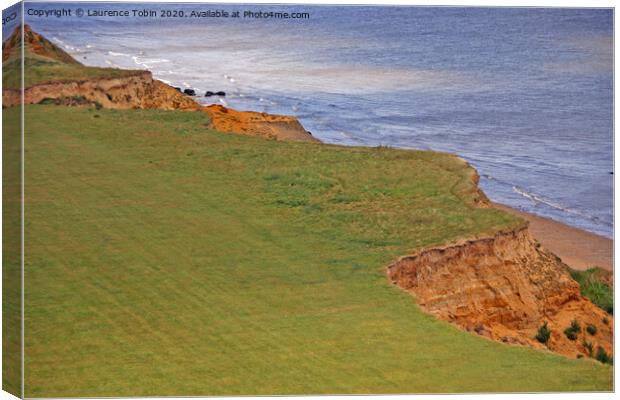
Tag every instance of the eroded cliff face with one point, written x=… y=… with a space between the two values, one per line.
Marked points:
x=35 y=43
x=135 y=91
x=279 y=127
x=504 y=287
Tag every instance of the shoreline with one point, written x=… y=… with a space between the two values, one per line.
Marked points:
x=578 y=248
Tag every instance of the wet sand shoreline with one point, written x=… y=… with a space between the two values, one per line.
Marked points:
x=577 y=248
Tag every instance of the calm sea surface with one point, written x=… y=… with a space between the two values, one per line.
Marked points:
x=525 y=95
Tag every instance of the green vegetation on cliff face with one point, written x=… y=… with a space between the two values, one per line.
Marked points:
x=593 y=285
x=167 y=259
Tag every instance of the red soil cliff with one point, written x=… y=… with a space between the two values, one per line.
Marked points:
x=504 y=287
x=34 y=43
x=280 y=127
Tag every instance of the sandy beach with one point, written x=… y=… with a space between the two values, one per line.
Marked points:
x=577 y=248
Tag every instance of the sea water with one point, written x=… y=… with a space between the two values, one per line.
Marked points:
x=524 y=94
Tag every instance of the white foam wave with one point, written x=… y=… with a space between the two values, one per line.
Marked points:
x=112 y=64
x=156 y=60
x=541 y=200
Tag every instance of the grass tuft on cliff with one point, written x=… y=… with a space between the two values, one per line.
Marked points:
x=594 y=284
x=167 y=259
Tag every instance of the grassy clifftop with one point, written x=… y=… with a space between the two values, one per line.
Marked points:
x=40 y=70
x=195 y=262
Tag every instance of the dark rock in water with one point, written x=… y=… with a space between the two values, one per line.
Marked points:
x=209 y=93
x=611 y=173
x=220 y=93
x=190 y=92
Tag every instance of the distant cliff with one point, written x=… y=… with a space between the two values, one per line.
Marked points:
x=52 y=74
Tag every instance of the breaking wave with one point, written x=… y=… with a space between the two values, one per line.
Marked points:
x=550 y=203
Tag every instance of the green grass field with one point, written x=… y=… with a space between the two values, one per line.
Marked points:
x=166 y=259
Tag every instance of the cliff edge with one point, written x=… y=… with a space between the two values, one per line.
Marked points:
x=505 y=287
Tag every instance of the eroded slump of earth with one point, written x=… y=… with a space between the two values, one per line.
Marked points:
x=504 y=287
